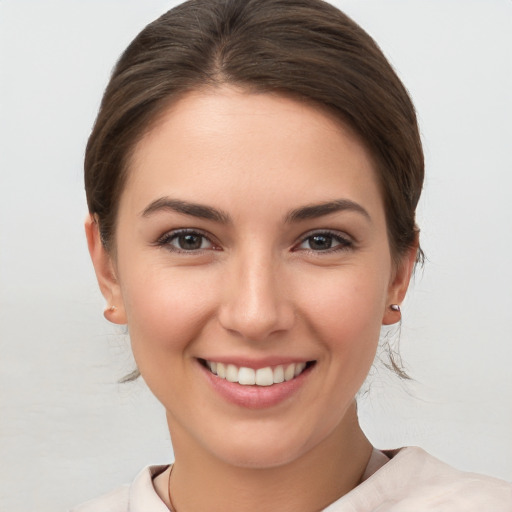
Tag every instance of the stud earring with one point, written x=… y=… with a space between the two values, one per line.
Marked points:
x=109 y=311
x=395 y=307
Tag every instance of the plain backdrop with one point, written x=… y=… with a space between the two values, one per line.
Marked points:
x=68 y=430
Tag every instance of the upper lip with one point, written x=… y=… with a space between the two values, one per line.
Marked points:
x=256 y=364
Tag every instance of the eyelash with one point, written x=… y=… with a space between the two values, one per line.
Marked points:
x=344 y=243
x=167 y=239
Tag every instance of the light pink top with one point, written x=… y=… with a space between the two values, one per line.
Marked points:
x=405 y=480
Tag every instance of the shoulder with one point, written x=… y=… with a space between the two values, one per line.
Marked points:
x=115 y=501
x=413 y=480
x=139 y=496
x=421 y=482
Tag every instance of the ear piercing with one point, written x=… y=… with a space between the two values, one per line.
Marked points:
x=109 y=311
x=392 y=315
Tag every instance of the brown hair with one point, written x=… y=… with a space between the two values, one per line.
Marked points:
x=306 y=49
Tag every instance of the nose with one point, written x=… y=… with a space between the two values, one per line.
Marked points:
x=256 y=301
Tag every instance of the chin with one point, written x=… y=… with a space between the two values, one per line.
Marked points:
x=279 y=446
x=259 y=458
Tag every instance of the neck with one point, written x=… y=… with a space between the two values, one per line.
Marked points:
x=331 y=469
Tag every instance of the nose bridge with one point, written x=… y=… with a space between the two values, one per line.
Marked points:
x=255 y=302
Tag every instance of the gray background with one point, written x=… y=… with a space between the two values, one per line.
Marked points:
x=68 y=431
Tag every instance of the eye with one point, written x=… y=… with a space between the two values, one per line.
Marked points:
x=185 y=240
x=324 y=241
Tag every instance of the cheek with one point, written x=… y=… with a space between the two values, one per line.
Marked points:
x=345 y=311
x=166 y=308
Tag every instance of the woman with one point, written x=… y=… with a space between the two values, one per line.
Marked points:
x=252 y=180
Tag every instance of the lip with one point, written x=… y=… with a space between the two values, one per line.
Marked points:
x=256 y=397
x=255 y=364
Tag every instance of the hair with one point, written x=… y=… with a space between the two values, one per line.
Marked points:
x=305 y=49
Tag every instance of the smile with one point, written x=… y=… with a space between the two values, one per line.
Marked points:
x=266 y=376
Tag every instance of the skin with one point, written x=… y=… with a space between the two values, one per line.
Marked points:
x=259 y=287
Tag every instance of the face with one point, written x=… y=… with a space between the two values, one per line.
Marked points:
x=253 y=269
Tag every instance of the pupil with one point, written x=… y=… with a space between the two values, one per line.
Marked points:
x=189 y=242
x=321 y=242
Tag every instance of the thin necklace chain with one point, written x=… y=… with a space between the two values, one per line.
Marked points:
x=172 y=507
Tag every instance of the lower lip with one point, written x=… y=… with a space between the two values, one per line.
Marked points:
x=255 y=397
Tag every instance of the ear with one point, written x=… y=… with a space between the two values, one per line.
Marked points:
x=399 y=285
x=105 y=273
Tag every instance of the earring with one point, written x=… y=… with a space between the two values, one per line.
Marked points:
x=109 y=311
x=392 y=315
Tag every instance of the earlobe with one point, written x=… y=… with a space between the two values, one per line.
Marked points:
x=398 y=287
x=105 y=273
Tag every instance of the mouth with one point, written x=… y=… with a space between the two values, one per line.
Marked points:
x=267 y=376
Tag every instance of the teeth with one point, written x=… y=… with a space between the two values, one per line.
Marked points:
x=221 y=370
x=265 y=376
x=261 y=377
x=299 y=368
x=246 y=376
x=278 y=374
x=231 y=373
x=289 y=373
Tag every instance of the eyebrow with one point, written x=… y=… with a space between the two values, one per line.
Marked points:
x=319 y=210
x=209 y=213
x=186 y=208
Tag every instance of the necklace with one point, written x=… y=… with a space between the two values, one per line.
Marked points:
x=172 y=508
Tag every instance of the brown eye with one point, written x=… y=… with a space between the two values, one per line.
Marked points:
x=186 y=241
x=319 y=242
x=189 y=242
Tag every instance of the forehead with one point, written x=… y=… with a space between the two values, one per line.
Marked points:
x=222 y=141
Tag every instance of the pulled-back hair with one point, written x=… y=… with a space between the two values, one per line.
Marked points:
x=306 y=49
